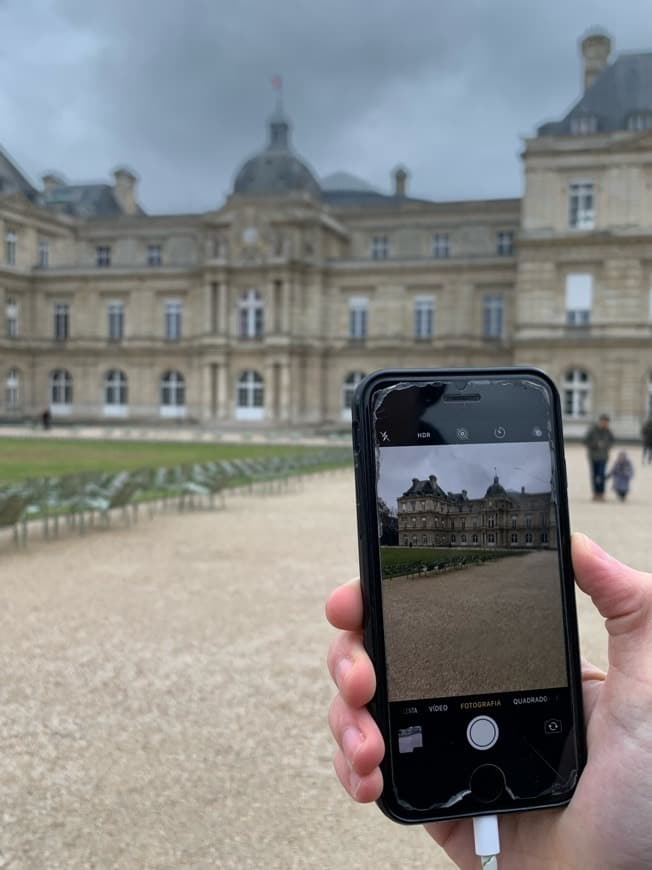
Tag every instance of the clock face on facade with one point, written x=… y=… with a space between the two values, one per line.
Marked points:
x=250 y=235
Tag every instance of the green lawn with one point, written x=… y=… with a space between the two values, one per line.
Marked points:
x=22 y=458
x=397 y=561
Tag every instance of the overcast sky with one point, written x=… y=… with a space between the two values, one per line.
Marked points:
x=470 y=466
x=180 y=90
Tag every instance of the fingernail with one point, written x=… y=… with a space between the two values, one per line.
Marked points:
x=355 y=782
x=599 y=552
x=342 y=670
x=351 y=739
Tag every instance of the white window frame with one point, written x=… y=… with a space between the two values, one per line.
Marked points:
x=103 y=256
x=172 y=394
x=173 y=319
x=440 y=246
x=577 y=390
x=250 y=396
x=154 y=254
x=505 y=243
x=349 y=385
x=424 y=317
x=493 y=315
x=60 y=392
x=581 y=205
x=61 y=321
x=584 y=124
x=115 y=312
x=358 y=317
x=12 y=389
x=116 y=387
x=43 y=253
x=251 y=314
x=380 y=247
x=579 y=298
x=11 y=315
x=11 y=247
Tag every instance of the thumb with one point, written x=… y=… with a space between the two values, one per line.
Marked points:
x=621 y=594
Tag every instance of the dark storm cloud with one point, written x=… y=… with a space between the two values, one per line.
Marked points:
x=181 y=90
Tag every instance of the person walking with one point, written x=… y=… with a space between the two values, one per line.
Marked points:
x=646 y=435
x=598 y=441
x=621 y=473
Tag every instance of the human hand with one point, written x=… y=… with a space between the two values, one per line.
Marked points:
x=606 y=824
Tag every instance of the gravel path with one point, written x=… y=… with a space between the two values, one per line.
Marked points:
x=163 y=692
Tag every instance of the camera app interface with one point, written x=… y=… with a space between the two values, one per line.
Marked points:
x=472 y=599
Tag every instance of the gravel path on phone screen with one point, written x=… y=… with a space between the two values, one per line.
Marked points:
x=163 y=692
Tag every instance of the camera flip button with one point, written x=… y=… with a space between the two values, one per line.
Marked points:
x=482 y=732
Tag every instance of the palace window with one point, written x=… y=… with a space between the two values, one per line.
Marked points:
x=250 y=396
x=10 y=247
x=358 y=307
x=115 y=390
x=514 y=538
x=505 y=243
x=579 y=299
x=581 y=206
x=424 y=317
x=43 y=253
x=380 y=248
x=61 y=321
x=173 y=312
x=528 y=537
x=493 y=316
x=11 y=314
x=463 y=539
x=12 y=389
x=116 y=320
x=251 y=315
x=491 y=538
x=583 y=123
x=514 y=520
x=172 y=394
x=61 y=388
x=440 y=246
x=351 y=381
x=639 y=120
x=154 y=255
x=491 y=521
x=474 y=539
x=103 y=256
x=577 y=393
x=544 y=537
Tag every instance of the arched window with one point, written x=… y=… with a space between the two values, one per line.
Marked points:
x=173 y=395
x=351 y=381
x=60 y=391
x=577 y=393
x=250 y=398
x=12 y=389
x=251 y=315
x=115 y=393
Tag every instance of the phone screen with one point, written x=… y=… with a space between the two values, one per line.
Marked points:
x=474 y=629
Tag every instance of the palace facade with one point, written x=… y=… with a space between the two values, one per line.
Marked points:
x=272 y=307
x=430 y=517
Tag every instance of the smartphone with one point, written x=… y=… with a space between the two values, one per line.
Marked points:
x=468 y=590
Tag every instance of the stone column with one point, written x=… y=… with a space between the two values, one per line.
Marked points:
x=223 y=308
x=224 y=392
x=284 y=403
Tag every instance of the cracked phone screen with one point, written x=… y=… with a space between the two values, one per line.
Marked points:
x=471 y=588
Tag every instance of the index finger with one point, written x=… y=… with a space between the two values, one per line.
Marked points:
x=344 y=606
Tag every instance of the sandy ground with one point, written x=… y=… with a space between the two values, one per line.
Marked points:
x=511 y=637
x=163 y=691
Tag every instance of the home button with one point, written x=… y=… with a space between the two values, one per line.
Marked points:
x=487 y=783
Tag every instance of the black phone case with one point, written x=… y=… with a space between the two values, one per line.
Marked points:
x=364 y=461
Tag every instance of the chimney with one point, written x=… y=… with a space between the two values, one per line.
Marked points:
x=400 y=181
x=596 y=48
x=124 y=189
x=51 y=180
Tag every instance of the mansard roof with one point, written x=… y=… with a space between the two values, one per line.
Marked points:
x=621 y=89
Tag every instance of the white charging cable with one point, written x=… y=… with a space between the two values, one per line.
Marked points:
x=487 y=841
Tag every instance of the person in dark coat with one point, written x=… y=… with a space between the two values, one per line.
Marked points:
x=599 y=440
x=646 y=435
x=621 y=473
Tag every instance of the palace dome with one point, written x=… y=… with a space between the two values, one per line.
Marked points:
x=276 y=169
